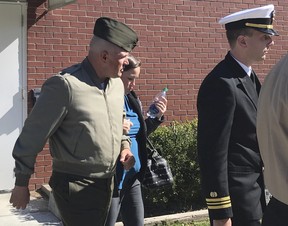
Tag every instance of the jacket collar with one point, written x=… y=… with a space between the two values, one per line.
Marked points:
x=92 y=74
x=246 y=84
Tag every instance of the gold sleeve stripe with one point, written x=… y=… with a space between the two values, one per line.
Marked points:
x=218 y=203
x=269 y=26
x=218 y=199
x=219 y=207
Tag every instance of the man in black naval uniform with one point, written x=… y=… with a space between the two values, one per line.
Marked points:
x=230 y=162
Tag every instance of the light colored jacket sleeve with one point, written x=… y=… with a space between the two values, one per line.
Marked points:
x=43 y=120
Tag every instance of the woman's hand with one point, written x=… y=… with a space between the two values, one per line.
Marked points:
x=161 y=105
x=126 y=126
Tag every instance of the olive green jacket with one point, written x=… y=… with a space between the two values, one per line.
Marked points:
x=83 y=122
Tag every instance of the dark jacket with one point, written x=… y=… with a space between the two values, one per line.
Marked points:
x=147 y=126
x=230 y=163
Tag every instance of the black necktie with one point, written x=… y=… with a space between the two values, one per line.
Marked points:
x=253 y=78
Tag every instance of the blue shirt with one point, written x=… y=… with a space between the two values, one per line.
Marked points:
x=124 y=175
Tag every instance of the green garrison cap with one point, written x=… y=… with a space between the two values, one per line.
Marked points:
x=115 y=32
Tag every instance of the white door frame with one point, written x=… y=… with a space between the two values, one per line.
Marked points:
x=20 y=97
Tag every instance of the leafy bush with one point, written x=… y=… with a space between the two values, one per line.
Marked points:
x=178 y=144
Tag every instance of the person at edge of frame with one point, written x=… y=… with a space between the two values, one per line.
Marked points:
x=273 y=141
x=80 y=110
x=230 y=163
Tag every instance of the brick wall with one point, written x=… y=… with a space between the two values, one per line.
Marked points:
x=180 y=41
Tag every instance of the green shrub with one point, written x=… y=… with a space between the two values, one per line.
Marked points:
x=178 y=144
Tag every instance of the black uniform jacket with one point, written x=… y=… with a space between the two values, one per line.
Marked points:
x=147 y=126
x=230 y=163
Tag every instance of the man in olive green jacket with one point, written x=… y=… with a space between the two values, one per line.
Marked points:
x=80 y=110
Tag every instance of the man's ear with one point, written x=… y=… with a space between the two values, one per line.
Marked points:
x=241 y=40
x=104 y=56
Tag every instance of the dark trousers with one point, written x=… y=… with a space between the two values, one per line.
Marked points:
x=81 y=201
x=130 y=205
x=275 y=214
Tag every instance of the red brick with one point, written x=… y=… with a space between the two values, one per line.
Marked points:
x=179 y=43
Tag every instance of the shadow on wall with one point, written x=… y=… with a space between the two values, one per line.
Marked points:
x=36 y=10
x=7 y=122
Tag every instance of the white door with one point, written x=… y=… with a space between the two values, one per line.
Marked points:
x=12 y=84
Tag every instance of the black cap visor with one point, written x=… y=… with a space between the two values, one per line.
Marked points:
x=268 y=31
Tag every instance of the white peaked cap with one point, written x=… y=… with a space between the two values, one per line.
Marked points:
x=260 y=18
